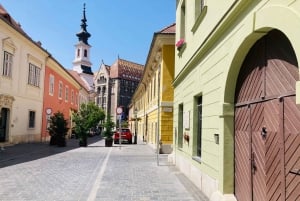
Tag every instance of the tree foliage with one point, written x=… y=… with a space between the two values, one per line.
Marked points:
x=88 y=116
x=58 y=129
x=108 y=127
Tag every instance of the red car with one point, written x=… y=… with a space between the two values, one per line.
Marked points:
x=125 y=137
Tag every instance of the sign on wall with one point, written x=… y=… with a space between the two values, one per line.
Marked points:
x=186 y=120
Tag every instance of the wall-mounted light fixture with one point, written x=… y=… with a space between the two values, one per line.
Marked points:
x=216 y=136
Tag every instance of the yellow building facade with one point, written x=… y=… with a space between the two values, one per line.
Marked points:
x=151 y=110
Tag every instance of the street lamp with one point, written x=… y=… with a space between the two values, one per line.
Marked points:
x=135 y=126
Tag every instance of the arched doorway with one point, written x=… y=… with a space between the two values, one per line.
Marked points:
x=267 y=123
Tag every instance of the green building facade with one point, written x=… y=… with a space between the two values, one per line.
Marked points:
x=236 y=73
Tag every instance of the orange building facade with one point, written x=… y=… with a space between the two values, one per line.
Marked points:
x=60 y=94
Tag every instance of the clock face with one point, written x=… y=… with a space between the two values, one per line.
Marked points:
x=48 y=111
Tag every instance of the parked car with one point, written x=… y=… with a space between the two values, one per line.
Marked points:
x=126 y=136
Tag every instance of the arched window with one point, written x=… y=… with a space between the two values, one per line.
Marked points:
x=85 y=53
x=103 y=90
x=78 y=52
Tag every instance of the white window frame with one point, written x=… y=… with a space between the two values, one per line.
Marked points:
x=51 y=84
x=7 y=64
x=72 y=96
x=66 y=93
x=34 y=74
x=60 y=89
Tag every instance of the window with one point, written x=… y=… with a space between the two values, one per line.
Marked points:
x=180 y=125
x=154 y=86
x=76 y=99
x=182 y=20
x=103 y=101
x=67 y=94
x=85 y=53
x=34 y=75
x=199 y=6
x=199 y=128
x=7 y=64
x=60 y=88
x=51 y=85
x=72 y=96
x=112 y=88
x=31 y=119
x=200 y=11
x=78 y=52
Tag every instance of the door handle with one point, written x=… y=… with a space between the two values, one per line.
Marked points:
x=264 y=132
x=295 y=171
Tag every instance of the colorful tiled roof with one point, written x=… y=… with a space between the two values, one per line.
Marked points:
x=5 y=16
x=127 y=70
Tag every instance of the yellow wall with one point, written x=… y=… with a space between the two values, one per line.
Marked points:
x=167 y=90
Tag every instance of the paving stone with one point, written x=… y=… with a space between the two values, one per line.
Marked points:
x=128 y=173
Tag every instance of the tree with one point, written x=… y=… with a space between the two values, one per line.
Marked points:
x=108 y=133
x=88 y=116
x=58 y=129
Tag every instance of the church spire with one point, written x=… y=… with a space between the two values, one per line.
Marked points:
x=82 y=63
x=83 y=35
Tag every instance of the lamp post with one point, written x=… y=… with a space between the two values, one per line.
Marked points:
x=135 y=126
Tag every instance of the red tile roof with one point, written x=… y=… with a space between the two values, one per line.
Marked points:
x=77 y=77
x=4 y=15
x=169 y=29
x=126 y=70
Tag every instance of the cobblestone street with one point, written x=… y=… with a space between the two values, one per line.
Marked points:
x=129 y=172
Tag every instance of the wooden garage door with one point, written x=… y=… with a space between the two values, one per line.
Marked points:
x=267 y=123
x=291 y=122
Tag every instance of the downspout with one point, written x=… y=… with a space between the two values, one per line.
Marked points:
x=158 y=117
x=145 y=118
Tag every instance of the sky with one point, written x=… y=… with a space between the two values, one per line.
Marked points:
x=121 y=28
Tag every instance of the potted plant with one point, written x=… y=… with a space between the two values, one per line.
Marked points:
x=86 y=118
x=186 y=137
x=180 y=44
x=107 y=132
x=58 y=129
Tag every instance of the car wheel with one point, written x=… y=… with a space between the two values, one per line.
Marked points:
x=130 y=141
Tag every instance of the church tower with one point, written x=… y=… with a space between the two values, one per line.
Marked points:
x=81 y=63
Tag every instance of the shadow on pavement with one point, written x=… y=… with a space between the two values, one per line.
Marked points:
x=21 y=153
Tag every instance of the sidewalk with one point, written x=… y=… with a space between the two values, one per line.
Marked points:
x=42 y=149
x=120 y=173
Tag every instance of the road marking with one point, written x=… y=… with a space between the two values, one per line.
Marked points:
x=93 y=193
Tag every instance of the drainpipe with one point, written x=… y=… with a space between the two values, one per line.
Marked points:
x=158 y=117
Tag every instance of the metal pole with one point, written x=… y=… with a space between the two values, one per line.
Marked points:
x=158 y=117
x=135 y=126
x=120 y=131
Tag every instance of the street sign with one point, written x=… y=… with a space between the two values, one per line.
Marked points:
x=119 y=110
